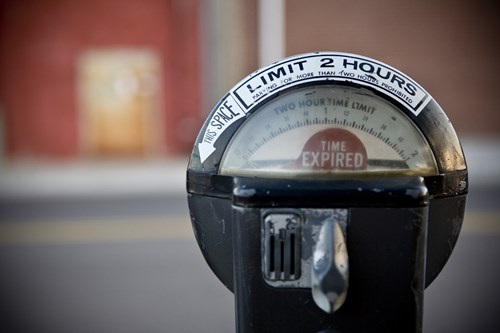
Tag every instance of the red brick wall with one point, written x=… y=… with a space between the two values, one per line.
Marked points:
x=40 y=42
x=450 y=47
x=183 y=87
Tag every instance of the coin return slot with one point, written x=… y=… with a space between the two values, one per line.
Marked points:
x=281 y=249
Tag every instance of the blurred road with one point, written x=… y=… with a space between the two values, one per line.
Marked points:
x=125 y=260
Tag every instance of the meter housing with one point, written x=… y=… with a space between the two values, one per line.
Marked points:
x=440 y=162
x=326 y=145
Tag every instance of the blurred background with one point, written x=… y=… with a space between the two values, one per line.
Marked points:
x=100 y=104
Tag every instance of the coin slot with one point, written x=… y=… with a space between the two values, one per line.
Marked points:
x=282 y=258
x=281 y=261
x=271 y=255
x=292 y=254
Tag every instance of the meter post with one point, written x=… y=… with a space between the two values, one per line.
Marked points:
x=383 y=235
x=329 y=200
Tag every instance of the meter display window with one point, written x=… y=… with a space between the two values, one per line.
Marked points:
x=328 y=131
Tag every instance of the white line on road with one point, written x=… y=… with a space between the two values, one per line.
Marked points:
x=95 y=231
x=159 y=228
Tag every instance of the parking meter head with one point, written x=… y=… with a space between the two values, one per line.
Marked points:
x=316 y=119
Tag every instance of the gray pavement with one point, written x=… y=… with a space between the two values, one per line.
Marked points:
x=131 y=286
x=107 y=247
x=159 y=282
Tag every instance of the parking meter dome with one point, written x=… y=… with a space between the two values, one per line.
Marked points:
x=325 y=117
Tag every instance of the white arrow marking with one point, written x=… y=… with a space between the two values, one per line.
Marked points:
x=205 y=150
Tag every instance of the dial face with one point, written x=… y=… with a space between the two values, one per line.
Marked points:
x=328 y=131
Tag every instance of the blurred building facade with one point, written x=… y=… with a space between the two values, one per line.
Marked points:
x=99 y=78
x=136 y=78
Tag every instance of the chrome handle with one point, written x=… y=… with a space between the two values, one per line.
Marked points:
x=330 y=269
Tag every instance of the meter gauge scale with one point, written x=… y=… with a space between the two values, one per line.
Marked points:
x=328 y=131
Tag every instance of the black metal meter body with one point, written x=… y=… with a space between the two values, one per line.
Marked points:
x=327 y=190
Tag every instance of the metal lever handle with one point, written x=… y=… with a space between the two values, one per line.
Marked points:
x=330 y=270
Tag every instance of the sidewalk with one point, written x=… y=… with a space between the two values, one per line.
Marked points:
x=93 y=179
x=483 y=161
x=167 y=176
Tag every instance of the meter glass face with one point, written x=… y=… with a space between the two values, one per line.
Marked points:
x=328 y=131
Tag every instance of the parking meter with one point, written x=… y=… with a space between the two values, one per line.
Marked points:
x=327 y=190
